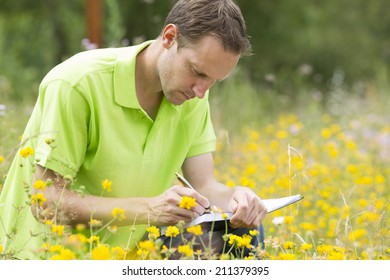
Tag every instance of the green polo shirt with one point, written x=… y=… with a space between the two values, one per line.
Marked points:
x=88 y=106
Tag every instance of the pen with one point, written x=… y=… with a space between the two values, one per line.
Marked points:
x=188 y=185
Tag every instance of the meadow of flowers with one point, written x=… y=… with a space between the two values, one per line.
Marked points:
x=339 y=163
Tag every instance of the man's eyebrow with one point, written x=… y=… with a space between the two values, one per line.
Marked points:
x=198 y=71
x=203 y=74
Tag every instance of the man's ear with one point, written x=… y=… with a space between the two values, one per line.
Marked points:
x=169 y=35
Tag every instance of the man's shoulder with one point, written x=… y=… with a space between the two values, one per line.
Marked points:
x=87 y=63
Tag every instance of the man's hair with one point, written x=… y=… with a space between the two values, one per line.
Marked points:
x=220 y=18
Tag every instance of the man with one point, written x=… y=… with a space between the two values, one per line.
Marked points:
x=130 y=117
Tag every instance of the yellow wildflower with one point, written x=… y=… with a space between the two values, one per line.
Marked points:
x=142 y=253
x=233 y=239
x=281 y=134
x=287 y=256
x=78 y=240
x=106 y=185
x=1 y=249
x=80 y=227
x=195 y=230
x=225 y=216
x=65 y=254
x=154 y=232
x=59 y=229
x=112 y=229
x=101 y=252
x=357 y=234
x=28 y=151
x=288 y=245
x=326 y=133
x=55 y=248
x=38 y=198
x=187 y=202
x=95 y=223
x=306 y=247
x=253 y=232
x=45 y=247
x=1 y=158
x=185 y=250
x=172 y=231
x=147 y=245
x=241 y=241
x=39 y=185
x=118 y=214
x=118 y=253
x=94 y=240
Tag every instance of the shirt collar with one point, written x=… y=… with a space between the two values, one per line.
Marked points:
x=124 y=77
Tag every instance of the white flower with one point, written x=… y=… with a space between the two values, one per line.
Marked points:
x=278 y=220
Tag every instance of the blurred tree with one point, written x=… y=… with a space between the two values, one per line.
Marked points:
x=295 y=43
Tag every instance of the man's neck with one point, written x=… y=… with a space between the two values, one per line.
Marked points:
x=147 y=82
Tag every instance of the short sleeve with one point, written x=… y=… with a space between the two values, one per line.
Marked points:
x=205 y=139
x=63 y=132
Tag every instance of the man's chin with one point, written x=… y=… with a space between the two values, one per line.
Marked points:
x=176 y=102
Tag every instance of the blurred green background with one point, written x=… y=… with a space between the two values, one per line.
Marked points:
x=301 y=44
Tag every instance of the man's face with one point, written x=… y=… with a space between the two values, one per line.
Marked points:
x=190 y=71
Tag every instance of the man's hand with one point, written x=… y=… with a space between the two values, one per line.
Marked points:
x=248 y=209
x=165 y=208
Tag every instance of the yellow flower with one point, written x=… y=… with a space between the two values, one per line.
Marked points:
x=45 y=247
x=326 y=133
x=288 y=256
x=65 y=254
x=39 y=185
x=142 y=253
x=187 y=202
x=185 y=250
x=225 y=216
x=77 y=240
x=95 y=223
x=112 y=229
x=38 y=198
x=306 y=247
x=106 y=184
x=80 y=227
x=147 y=245
x=244 y=241
x=224 y=257
x=241 y=241
x=253 y=232
x=59 y=229
x=195 y=230
x=154 y=232
x=28 y=151
x=288 y=245
x=94 y=240
x=281 y=134
x=172 y=231
x=55 y=248
x=1 y=249
x=101 y=252
x=118 y=253
x=118 y=214
x=1 y=158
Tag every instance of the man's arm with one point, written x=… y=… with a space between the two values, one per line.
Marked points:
x=248 y=209
x=69 y=207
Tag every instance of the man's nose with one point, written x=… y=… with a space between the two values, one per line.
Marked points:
x=201 y=88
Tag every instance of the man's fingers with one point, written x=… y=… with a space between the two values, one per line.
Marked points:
x=200 y=199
